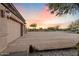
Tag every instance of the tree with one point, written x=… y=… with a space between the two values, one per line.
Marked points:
x=51 y=28
x=57 y=27
x=40 y=28
x=74 y=26
x=63 y=8
x=33 y=25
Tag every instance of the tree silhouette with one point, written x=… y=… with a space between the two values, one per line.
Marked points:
x=51 y=28
x=33 y=25
x=63 y=8
x=74 y=26
x=57 y=27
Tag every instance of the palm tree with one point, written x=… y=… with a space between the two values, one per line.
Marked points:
x=63 y=8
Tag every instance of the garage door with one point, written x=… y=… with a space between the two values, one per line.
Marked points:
x=13 y=30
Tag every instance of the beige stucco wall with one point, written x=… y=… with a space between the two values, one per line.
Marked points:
x=3 y=32
x=13 y=30
x=9 y=29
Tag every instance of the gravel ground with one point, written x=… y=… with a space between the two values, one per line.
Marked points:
x=60 y=52
x=55 y=52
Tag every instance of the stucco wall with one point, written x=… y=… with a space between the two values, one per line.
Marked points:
x=13 y=30
x=9 y=29
x=3 y=33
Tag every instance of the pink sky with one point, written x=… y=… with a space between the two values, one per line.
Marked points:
x=44 y=18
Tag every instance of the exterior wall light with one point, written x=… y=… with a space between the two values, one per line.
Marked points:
x=7 y=14
x=2 y=13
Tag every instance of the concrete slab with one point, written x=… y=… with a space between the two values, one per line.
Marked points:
x=44 y=40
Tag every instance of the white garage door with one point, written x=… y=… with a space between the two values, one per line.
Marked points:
x=13 y=30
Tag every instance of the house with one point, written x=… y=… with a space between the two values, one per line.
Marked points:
x=12 y=24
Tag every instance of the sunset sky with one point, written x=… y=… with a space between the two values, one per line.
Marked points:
x=39 y=13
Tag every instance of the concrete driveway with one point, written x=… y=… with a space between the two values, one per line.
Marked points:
x=44 y=40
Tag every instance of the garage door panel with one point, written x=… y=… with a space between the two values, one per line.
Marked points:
x=13 y=30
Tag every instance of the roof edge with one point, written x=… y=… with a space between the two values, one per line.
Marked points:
x=13 y=9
